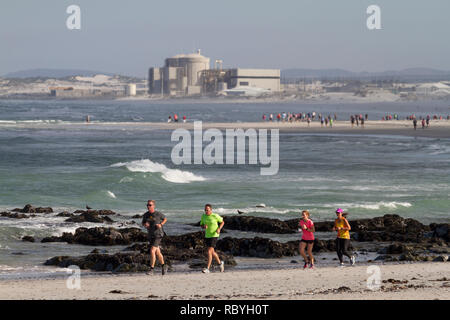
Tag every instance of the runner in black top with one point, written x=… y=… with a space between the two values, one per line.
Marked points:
x=154 y=220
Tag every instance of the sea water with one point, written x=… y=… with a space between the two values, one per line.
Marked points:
x=120 y=167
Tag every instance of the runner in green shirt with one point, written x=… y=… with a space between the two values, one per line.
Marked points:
x=210 y=222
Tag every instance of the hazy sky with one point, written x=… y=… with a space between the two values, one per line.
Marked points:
x=130 y=36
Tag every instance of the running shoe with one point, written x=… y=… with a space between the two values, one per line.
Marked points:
x=149 y=272
x=341 y=264
x=305 y=265
x=311 y=265
x=163 y=269
x=353 y=260
x=205 y=270
x=222 y=266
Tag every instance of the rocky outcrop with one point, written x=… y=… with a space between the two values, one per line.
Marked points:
x=441 y=230
x=28 y=239
x=101 y=236
x=16 y=215
x=30 y=209
x=257 y=224
x=98 y=212
x=89 y=216
x=392 y=228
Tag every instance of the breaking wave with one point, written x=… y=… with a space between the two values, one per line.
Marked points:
x=171 y=175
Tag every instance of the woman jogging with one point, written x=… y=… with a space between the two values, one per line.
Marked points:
x=307 y=227
x=342 y=227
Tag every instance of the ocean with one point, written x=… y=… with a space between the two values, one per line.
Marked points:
x=120 y=167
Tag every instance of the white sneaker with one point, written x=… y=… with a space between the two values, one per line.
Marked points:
x=205 y=270
x=341 y=264
x=353 y=260
x=222 y=266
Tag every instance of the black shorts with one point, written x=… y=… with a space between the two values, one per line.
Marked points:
x=211 y=242
x=154 y=241
x=307 y=241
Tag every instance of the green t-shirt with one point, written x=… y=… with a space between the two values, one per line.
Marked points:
x=212 y=222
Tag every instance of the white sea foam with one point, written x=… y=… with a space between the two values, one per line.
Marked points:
x=126 y=179
x=252 y=210
x=112 y=195
x=171 y=175
x=363 y=205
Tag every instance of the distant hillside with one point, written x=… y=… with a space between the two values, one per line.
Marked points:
x=53 y=73
x=406 y=74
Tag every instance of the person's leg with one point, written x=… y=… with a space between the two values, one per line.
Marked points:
x=339 y=250
x=210 y=254
x=215 y=255
x=152 y=257
x=159 y=255
x=345 y=250
x=310 y=254
x=302 y=251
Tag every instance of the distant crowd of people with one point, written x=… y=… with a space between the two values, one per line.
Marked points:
x=300 y=116
x=175 y=118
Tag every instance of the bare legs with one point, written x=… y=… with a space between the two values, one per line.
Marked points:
x=212 y=253
x=310 y=257
x=155 y=252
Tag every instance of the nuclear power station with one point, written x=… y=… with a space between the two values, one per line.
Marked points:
x=191 y=75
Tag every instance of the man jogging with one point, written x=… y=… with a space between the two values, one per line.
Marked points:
x=154 y=220
x=210 y=222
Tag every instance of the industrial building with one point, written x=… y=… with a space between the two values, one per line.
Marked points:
x=179 y=76
x=191 y=75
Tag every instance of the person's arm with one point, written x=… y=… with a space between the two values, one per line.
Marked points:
x=202 y=223
x=347 y=225
x=312 y=229
x=159 y=225
x=220 y=227
x=144 y=221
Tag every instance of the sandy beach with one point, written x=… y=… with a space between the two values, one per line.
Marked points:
x=437 y=129
x=398 y=281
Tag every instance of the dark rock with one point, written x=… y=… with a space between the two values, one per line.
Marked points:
x=257 y=224
x=390 y=227
x=396 y=248
x=128 y=261
x=90 y=217
x=441 y=230
x=97 y=212
x=65 y=214
x=101 y=236
x=137 y=216
x=28 y=238
x=16 y=215
x=30 y=209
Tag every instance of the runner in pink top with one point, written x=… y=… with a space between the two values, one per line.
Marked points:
x=307 y=227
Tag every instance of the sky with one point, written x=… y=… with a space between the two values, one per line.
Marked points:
x=128 y=37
